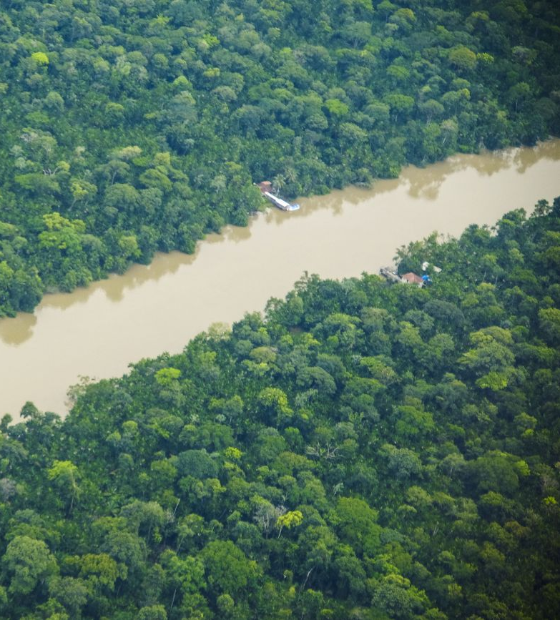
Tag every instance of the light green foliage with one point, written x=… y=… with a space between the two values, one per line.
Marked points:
x=336 y=107
x=99 y=570
x=61 y=233
x=167 y=376
x=463 y=58
x=64 y=476
x=274 y=399
x=64 y=472
x=289 y=520
x=40 y=58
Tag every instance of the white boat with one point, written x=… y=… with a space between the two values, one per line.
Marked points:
x=281 y=203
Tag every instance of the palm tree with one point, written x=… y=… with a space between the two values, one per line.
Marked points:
x=278 y=182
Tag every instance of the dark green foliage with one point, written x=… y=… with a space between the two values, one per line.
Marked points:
x=362 y=451
x=132 y=126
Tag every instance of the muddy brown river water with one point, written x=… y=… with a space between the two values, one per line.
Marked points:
x=99 y=330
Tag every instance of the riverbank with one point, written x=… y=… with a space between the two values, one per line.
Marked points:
x=98 y=331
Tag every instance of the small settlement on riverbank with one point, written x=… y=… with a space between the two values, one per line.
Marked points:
x=284 y=205
x=391 y=275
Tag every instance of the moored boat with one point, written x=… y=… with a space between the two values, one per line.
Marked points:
x=281 y=203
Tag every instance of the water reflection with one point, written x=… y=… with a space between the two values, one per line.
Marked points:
x=234 y=233
x=115 y=286
x=425 y=183
x=18 y=330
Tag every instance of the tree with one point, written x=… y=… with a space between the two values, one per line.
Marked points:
x=182 y=576
x=28 y=563
x=395 y=596
x=549 y=321
x=290 y=519
x=153 y=612
x=463 y=58
x=196 y=463
x=497 y=471
x=126 y=548
x=99 y=571
x=147 y=514
x=400 y=104
x=71 y=593
x=357 y=525
x=228 y=570
x=64 y=475
x=402 y=462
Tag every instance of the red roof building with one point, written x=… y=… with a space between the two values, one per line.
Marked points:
x=412 y=278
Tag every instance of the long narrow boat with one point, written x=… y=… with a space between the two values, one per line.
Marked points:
x=281 y=203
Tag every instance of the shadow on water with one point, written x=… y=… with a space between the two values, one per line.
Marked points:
x=115 y=285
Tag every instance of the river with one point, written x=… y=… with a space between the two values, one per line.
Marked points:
x=97 y=331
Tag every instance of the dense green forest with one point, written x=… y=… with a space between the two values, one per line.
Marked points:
x=361 y=451
x=130 y=126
